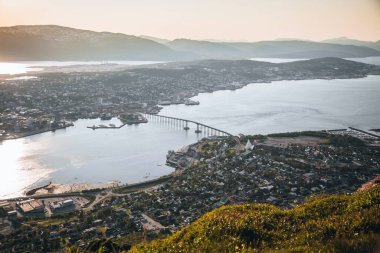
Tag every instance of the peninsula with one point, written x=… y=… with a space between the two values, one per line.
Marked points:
x=28 y=106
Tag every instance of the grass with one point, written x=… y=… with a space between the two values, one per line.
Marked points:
x=336 y=140
x=336 y=223
x=303 y=133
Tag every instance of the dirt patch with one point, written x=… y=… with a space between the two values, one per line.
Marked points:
x=301 y=140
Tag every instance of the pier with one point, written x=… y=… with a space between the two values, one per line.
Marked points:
x=185 y=124
x=106 y=127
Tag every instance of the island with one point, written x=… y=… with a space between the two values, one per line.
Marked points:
x=26 y=105
x=279 y=171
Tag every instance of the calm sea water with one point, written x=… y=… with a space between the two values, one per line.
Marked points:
x=81 y=155
x=23 y=67
x=288 y=106
x=137 y=153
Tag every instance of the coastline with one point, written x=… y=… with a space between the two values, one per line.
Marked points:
x=92 y=188
x=73 y=188
x=159 y=107
x=61 y=190
x=34 y=133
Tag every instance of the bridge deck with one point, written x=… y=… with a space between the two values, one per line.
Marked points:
x=191 y=121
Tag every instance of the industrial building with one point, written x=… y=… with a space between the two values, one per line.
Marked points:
x=30 y=206
x=60 y=206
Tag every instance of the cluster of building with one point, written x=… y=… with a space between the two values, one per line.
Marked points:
x=210 y=173
x=62 y=206
x=46 y=207
x=19 y=123
x=29 y=105
x=213 y=173
x=30 y=206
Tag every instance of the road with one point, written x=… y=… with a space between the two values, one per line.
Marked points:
x=100 y=197
x=152 y=224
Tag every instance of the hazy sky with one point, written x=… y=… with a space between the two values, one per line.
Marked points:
x=249 y=20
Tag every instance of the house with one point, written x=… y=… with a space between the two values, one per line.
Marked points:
x=249 y=145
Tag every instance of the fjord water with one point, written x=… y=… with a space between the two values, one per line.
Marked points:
x=285 y=106
x=22 y=67
x=81 y=155
x=137 y=153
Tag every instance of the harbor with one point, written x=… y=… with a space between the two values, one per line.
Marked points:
x=137 y=150
x=126 y=119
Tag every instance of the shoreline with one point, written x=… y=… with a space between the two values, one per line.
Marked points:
x=61 y=190
x=159 y=107
x=34 y=133
x=56 y=188
x=74 y=189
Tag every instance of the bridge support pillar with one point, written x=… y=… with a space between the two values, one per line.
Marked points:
x=186 y=125
x=198 y=130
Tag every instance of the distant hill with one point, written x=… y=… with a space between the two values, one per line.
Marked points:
x=348 y=41
x=303 y=49
x=206 y=49
x=63 y=43
x=50 y=42
x=270 y=49
x=337 y=223
x=158 y=40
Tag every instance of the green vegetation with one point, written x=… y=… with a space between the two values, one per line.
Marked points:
x=375 y=130
x=345 y=140
x=336 y=223
x=336 y=140
x=303 y=133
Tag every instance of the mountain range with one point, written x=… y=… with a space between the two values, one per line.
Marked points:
x=51 y=42
x=348 y=41
x=63 y=43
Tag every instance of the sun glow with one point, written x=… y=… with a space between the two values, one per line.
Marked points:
x=13 y=68
x=15 y=171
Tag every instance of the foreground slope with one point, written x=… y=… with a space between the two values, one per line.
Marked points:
x=336 y=223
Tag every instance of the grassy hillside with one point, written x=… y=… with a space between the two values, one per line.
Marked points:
x=336 y=223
